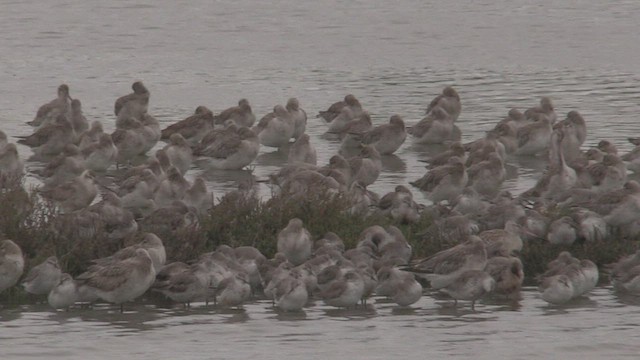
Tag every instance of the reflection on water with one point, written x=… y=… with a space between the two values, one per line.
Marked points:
x=524 y=328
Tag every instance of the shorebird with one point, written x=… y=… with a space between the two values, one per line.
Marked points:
x=514 y=119
x=615 y=205
x=278 y=270
x=370 y=280
x=121 y=281
x=167 y=272
x=470 y=285
x=629 y=281
x=436 y=128
x=366 y=167
x=51 y=110
x=78 y=120
x=64 y=294
x=291 y=293
x=119 y=222
x=153 y=165
x=276 y=128
x=241 y=115
x=294 y=241
x=302 y=151
x=450 y=228
x=340 y=122
x=557 y=289
x=545 y=109
x=607 y=147
x=330 y=273
x=562 y=231
x=567 y=278
x=138 y=197
x=365 y=253
x=361 y=199
x=449 y=101
x=399 y=205
x=508 y=275
x=502 y=208
x=610 y=174
x=400 y=286
x=344 y=292
x=11 y=166
x=620 y=207
x=455 y=149
x=557 y=265
x=335 y=109
x=353 y=129
x=132 y=105
x=213 y=138
x=150 y=242
x=193 y=128
x=187 y=284
x=444 y=268
x=250 y=259
x=386 y=138
x=574 y=129
x=198 y=197
x=487 y=176
x=633 y=157
x=534 y=138
x=590 y=226
x=129 y=140
x=150 y=132
x=179 y=153
x=469 y=203
x=577 y=277
x=43 y=277
x=481 y=149
x=51 y=138
x=374 y=237
x=398 y=251
x=299 y=117
x=3 y=140
x=329 y=240
x=444 y=182
x=172 y=188
x=90 y=136
x=591 y=275
x=507 y=136
x=11 y=264
x=74 y=194
x=339 y=169
x=623 y=272
x=232 y=151
x=503 y=242
x=560 y=177
x=99 y=157
x=234 y=290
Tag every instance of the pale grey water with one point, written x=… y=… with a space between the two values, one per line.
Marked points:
x=394 y=56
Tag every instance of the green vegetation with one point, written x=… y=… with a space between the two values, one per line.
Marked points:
x=41 y=231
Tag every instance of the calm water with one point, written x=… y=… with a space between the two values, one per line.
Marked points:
x=394 y=56
x=601 y=326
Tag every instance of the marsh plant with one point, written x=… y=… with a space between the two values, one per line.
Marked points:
x=237 y=219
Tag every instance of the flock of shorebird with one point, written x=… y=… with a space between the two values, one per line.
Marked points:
x=583 y=195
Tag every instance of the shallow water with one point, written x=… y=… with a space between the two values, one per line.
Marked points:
x=395 y=57
x=600 y=326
